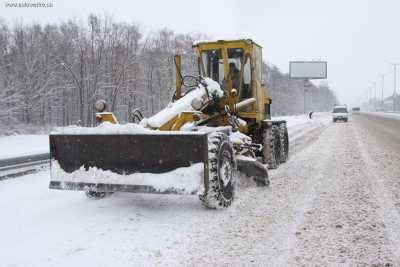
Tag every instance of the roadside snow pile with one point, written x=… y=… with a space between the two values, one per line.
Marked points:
x=183 y=104
x=294 y=120
x=303 y=119
x=301 y=125
x=184 y=180
x=23 y=145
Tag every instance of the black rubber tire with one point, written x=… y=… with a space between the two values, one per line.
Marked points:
x=221 y=172
x=334 y=120
x=268 y=146
x=271 y=147
x=96 y=195
x=284 y=136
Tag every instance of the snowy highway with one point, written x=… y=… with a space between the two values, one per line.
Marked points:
x=335 y=202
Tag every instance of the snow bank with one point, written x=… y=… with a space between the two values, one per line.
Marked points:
x=301 y=125
x=294 y=119
x=391 y=115
x=23 y=145
x=303 y=119
x=183 y=104
x=185 y=180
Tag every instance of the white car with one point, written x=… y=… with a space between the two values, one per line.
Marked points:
x=340 y=113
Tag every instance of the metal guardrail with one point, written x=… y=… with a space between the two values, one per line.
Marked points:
x=18 y=166
x=24 y=159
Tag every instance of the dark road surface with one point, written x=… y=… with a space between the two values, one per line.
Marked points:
x=385 y=129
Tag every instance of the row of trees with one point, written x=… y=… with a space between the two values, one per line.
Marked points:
x=53 y=74
x=293 y=96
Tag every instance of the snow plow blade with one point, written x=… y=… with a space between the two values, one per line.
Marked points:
x=254 y=169
x=110 y=163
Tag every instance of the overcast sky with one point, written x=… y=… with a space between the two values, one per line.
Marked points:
x=356 y=37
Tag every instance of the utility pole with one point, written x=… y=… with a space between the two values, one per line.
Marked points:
x=383 y=87
x=369 y=97
x=394 y=84
x=375 y=96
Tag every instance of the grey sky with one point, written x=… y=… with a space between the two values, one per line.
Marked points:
x=356 y=37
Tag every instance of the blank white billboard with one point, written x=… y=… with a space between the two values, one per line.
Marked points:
x=308 y=69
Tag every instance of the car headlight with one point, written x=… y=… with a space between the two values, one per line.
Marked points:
x=100 y=105
x=197 y=103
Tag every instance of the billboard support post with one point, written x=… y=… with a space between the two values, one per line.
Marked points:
x=305 y=95
x=307 y=70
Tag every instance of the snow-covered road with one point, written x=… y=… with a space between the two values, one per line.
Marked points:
x=335 y=202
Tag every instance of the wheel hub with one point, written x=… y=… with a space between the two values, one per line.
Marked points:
x=226 y=172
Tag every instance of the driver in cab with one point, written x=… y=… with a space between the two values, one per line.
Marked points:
x=234 y=75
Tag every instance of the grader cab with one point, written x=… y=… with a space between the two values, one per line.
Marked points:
x=219 y=119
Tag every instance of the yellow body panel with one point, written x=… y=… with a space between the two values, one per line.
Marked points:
x=252 y=51
x=183 y=118
x=168 y=125
x=107 y=116
x=178 y=77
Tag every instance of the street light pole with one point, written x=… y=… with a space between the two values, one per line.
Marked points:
x=370 y=96
x=394 y=84
x=383 y=87
x=375 y=96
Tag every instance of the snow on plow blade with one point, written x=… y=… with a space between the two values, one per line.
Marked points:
x=144 y=163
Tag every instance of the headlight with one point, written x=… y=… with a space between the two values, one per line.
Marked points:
x=100 y=105
x=197 y=103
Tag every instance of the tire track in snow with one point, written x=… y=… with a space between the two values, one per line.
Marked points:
x=304 y=138
x=259 y=229
x=314 y=150
x=387 y=209
x=343 y=226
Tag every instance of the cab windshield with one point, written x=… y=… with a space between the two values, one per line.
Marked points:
x=339 y=110
x=212 y=65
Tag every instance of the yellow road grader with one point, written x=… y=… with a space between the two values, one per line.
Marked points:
x=218 y=120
